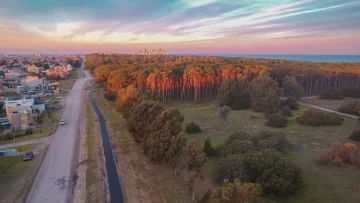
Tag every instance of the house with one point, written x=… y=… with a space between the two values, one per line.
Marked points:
x=20 y=113
x=32 y=80
x=45 y=88
x=34 y=69
x=21 y=118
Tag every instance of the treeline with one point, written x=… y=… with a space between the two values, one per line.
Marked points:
x=198 y=78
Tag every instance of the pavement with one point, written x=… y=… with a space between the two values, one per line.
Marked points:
x=53 y=182
x=116 y=195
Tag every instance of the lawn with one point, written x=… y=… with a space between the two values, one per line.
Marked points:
x=321 y=183
x=20 y=135
x=142 y=180
x=16 y=177
x=23 y=148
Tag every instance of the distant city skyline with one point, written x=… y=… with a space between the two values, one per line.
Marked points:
x=261 y=27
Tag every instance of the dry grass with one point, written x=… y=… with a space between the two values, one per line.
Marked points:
x=95 y=179
x=329 y=104
x=321 y=183
x=142 y=181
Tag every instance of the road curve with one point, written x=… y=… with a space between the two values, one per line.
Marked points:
x=116 y=195
x=53 y=182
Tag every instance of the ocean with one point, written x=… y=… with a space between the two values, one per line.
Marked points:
x=309 y=58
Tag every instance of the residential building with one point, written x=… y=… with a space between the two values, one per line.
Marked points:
x=32 y=80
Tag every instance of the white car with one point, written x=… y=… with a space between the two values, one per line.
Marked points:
x=62 y=122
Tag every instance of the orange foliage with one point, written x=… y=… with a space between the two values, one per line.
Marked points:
x=341 y=153
x=323 y=158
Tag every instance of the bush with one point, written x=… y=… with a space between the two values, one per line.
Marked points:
x=229 y=169
x=237 y=136
x=314 y=117
x=332 y=94
x=355 y=135
x=277 y=175
x=192 y=128
x=286 y=111
x=323 y=158
x=291 y=102
x=350 y=108
x=351 y=91
x=7 y=136
x=209 y=149
x=274 y=140
x=237 y=147
x=338 y=161
x=277 y=121
x=29 y=131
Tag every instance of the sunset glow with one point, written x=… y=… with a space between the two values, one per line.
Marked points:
x=181 y=26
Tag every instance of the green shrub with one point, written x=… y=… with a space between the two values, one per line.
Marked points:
x=7 y=136
x=237 y=147
x=277 y=175
x=229 y=169
x=314 y=117
x=277 y=121
x=291 y=102
x=274 y=140
x=355 y=135
x=351 y=91
x=286 y=111
x=237 y=136
x=352 y=107
x=192 y=128
x=332 y=94
x=209 y=149
x=29 y=131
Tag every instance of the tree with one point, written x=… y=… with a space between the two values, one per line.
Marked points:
x=277 y=121
x=141 y=117
x=234 y=93
x=223 y=112
x=164 y=142
x=2 y=73
x=237 y=147
x=237 y=192
x=209 y=149
x=292 y=88
x=194 y=159
x=124 y=95
x=265 y=95
x=229 y=169
x=332 y=94
x=1 y=106
x=277 y=175
x=192 y=128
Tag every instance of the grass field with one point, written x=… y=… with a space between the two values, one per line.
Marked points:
x=321 y=183
x=142 y=180
x=17 y=175
x=20 y=135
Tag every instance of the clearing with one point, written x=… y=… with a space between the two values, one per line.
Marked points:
x=21 y=136
x=321 y=183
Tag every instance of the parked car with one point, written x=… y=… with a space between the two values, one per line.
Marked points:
x=28 y=155
x=62 y=122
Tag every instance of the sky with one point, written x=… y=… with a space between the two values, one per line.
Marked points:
x=181 y=26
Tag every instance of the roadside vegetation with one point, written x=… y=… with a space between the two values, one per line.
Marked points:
x=250 y=139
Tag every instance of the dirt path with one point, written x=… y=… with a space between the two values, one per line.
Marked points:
x=325 y=109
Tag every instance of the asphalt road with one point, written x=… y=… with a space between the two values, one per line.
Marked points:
x=53 y=182
x=116 y=195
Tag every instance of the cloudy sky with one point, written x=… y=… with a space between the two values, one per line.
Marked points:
x=181 y=26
